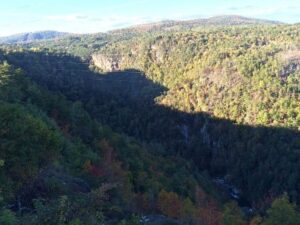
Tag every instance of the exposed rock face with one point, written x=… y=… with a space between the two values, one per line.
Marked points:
x=44 y=185
x=289 y=69
x=158 y=54
x=291 y=64
x=107 y=63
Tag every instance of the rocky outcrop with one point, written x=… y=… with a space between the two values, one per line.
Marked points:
x=158 y=53
x=291 y=62
x=288 y=70
x=107 y=63
x=49 y=183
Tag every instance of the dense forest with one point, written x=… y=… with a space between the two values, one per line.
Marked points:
x=194 y=125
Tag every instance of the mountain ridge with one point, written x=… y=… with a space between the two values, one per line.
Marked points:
x=221 y=20
x=32 y=36
x=163 y=25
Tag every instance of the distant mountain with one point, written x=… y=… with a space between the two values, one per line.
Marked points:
x=227 y=20
x=165 y=25
x=30 y=37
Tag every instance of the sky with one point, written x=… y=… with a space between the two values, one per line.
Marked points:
x=90 y=16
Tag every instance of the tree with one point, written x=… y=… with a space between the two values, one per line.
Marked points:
x=257 y=220
x=188 y=209
x=169 y=204
x=209 y=213
x=282 y=212
x=233 y=215
x=7 y=217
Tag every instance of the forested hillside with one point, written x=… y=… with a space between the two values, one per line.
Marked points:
x=248 y=75
x=60 y=166
x=180 y=126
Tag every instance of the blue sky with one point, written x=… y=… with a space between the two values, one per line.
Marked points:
x=88 y=16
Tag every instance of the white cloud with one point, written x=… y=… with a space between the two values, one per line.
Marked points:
x=107 y=18
x=69 y=17
x=80 y=23
x=283 y=8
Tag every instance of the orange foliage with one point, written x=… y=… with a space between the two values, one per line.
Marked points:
x=209 y=214
x=141 y=203
x=111 y=166
x=92 y=169
x=200 y=196
x=169 y=204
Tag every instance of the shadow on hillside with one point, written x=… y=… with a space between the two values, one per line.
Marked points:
x=261 y=161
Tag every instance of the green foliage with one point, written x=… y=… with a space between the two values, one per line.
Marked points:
x=134 y=220
x=233 y=215
x=42 y=131
x=221 y=100
x=236 y=73
x=281 y=212
x=7 y=217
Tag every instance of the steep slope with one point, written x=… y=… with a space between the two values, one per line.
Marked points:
x=248 y=75
x=125 y=100
x=59 y=165
x=221 y=100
